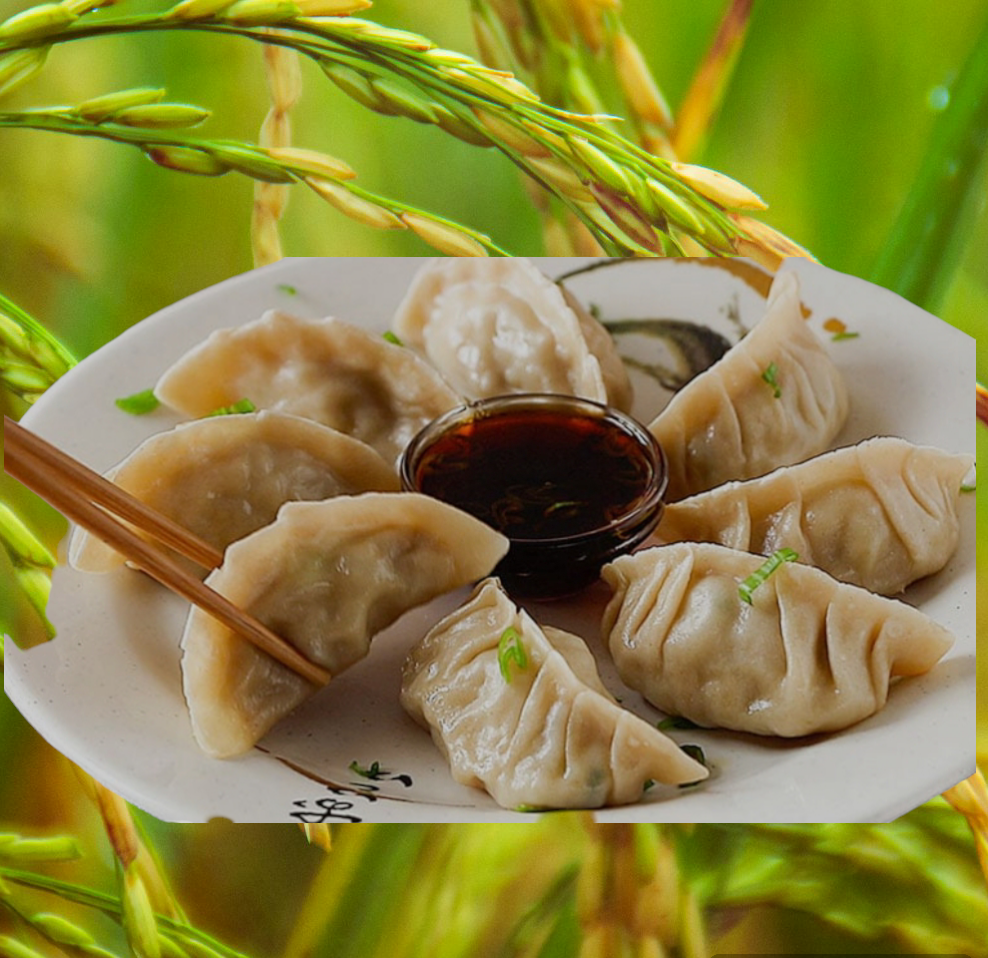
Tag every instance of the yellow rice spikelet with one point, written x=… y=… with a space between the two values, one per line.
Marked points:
x=442 y=236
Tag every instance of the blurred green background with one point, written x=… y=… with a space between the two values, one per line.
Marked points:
x=829 y=117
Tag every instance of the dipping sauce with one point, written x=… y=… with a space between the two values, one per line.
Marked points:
x=571 y=483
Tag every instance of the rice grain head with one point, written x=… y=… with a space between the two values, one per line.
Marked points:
x=444 y=237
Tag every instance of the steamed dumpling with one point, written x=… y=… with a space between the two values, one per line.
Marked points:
x=808 y=655
x=551 y=737
x=496 y=326
x=322 y=369
x=327 y=577
x=776 y=398
x=880 y=515
x=227 y=476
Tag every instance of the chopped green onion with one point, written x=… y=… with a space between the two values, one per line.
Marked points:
x=529 y=809
x=771 y=376
x=649 y=785
x=393 y=339
x=695 y=753
x=287 y=290
x=509 y=649
x=676 y=722
x=837 y=337
x=140 y=404
x=374 y=773
x=244 y=406
x=760 y=577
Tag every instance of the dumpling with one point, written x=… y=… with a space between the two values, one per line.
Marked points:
x=809 y=654
x=497 y=326
x=546 y=736
x=327 y=577
x=322 y=369
x=776 y=398
x=227 y=476
x=880 y=515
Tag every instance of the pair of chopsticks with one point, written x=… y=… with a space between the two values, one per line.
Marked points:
x=90 y=501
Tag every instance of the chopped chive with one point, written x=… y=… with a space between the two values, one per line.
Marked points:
x=374 y=773
x=509 y=649
x=695 y=753
x=244 y=406
x=287 y=290
x=649 y=785
x=393 y=339
x=771 y=376
x=140 y=404
x=837 y=337
x=528 y=809
x=676 y=722
x=760 y=577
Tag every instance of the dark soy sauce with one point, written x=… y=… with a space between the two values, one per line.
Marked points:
x=571 y=488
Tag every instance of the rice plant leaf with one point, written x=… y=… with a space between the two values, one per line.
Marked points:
x=923 y=249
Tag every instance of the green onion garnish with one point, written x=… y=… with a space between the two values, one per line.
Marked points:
x=760 y=577
x=771 y=376
x=676 y=722
x=287 y=290
x=511 y=649
x=244 y=406
x=374 y=772
x=393 y=339
x=140 y=404
x=837 y=337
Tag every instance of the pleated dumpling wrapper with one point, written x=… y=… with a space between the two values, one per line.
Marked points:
x=323 y=369
x=496 y=326
x=808 y=655
x=326 y=577
x=521 y=712
x=774 y=399
x=880 y=515
x=227 y=476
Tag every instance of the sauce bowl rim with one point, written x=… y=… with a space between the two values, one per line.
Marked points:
x=650 y=504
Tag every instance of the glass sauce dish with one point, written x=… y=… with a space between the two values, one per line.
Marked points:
x=573 y=484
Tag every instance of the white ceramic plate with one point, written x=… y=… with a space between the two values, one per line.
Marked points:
x=107 y=691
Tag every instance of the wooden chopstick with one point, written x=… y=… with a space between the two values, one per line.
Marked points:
x=111 y=497
x=982 y=403
x=43 y=472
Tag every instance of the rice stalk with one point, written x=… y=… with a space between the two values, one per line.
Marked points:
x=629 y=898
x=970 y=798
x=320 y=835
x=31 y=564
x=407 y=75
x=698 y=111
x=831 y=872
x=144 y=892
x=284 y=81
x=31 y=359
x=175 y=150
